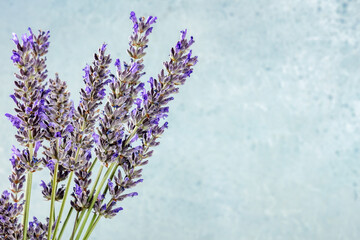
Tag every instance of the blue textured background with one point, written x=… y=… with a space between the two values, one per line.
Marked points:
x=264 y=138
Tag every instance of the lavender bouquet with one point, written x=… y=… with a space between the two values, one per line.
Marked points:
x=69 y=141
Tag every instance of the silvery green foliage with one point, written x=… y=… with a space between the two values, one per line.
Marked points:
x=122 y=134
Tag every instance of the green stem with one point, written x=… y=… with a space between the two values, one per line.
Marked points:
x=97 y=180
x=63 y=203
x=65 y=223
x=92 y=190
x=78 y=220
x=126 y=143
x=54 y=214
x=133 y=132
x=93 y=220
x=102 y=183
x=94 y=199
x=93 y=164
x=111 y=177
x=91 y=223
x=27 y=201
x=53 y=194
x=66 y=193
x=92 y=228
x=88 y=231
x=73 y=232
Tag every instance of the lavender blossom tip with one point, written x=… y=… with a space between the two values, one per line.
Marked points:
x=116 y=210
x=153 y=20
x=118 y=64
x=148 y=31
x=31 y=32
x=43 y=184
x=136 y=27
x=103 y=47
x=178 y=47
x=15 y=38
x=191 y=40
x=14 y=98
x=183 y=34
x=133 y=17
x=133 y=194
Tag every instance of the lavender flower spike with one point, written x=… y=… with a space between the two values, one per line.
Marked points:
x=29 y=97
x=124 y=90
x=30 y=110
x=95 y=79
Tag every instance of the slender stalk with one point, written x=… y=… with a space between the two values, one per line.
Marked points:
x=92 y=190
x=65 y=223
x=66 y=192
x=97 y=180
x=126 y=143
x=111 y=177
x=93 y=220
x=67 y=189
x=27 y=202
x=28 y=192
x=90 y=225
x=54 y=214
x=92 y=228
x=78 y=221
x=93 y=164
x=94 y=199
x=63 y=203
x=114 y=166
x=134 y=132
x=73 y=232
x=53 y=194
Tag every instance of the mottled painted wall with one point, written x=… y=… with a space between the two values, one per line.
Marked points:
x=264 y=138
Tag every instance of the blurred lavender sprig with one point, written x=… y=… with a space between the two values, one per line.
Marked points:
x=129 y=126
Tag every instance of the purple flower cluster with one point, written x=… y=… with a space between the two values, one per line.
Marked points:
x=10 y=227
x=81 y=191
x=122 y=135
x=95 y=79
x=37 y=230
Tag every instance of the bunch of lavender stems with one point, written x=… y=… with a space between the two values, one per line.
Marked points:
x=69 y=141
